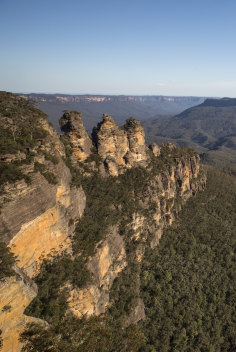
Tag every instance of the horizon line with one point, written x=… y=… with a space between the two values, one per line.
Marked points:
x=118 y=95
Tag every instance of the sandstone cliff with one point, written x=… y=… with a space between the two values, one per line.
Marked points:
x=41 y=208
x=109 y=260
x=36 y=216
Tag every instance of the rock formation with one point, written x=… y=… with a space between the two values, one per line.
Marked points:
x=120 y=148
x=78 y=138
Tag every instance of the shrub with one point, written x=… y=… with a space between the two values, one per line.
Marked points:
x=7 y=261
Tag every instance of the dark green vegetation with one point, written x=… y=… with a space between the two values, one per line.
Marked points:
x=21 y=135
x=119 y=107
x=96 y=334
x=20 y=132
x=10 y=172
x=107 y=200
x=210 y=128
x=187 y=284
x=19 y=124
x=6 y=262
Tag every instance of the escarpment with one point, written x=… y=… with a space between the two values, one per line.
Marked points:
x=86 y=208
x=38 y=206
x=157 y=182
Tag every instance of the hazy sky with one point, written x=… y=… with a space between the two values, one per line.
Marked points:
x=175 y=47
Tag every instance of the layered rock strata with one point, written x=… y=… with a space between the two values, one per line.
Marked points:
x=36 y=228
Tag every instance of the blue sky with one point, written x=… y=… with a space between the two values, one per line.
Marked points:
x=119 y=47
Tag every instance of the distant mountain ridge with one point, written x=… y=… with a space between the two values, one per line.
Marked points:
x=101 y=98
x=120 y=107
x=224 y=102
x=209 y=127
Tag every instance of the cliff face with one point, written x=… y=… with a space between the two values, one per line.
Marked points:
x=42 y=237
x=40 y=208
x=36 y=216
x=109 y=260
x=166 y=193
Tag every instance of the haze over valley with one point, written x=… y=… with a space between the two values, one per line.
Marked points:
x=119 y=107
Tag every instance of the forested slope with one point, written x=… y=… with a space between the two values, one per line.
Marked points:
x=209 y=128
x=188 y=282
x=187 y=285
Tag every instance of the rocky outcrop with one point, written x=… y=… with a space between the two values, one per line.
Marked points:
x=120 y=148
x=76 y=134
x=110 y=259
x=137 y=153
